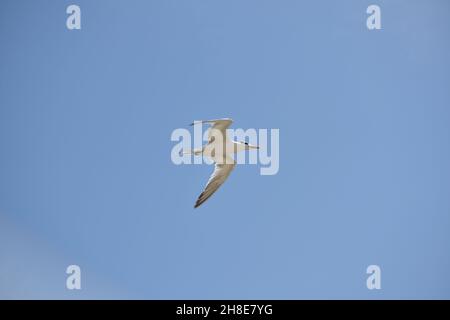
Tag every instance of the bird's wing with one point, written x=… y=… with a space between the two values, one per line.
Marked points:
x=218 y=124
x=218 y=177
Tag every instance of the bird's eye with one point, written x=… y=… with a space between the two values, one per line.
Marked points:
x=246 y=143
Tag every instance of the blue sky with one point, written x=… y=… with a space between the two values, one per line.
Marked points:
x=85 y=170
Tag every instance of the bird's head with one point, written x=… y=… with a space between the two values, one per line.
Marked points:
x=249 y=146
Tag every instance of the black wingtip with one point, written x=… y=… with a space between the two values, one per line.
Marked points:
x=199 y=201
x=196 y=122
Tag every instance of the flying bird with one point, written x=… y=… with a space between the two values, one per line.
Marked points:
x=219 y=149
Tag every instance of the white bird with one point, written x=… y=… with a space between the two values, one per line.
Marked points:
x=219 y=149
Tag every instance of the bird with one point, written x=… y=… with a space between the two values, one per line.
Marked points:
x=219 y=149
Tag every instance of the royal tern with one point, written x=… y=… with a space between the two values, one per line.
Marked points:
x=219 y=149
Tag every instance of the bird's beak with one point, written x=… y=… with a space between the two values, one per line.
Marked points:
x=254 y=147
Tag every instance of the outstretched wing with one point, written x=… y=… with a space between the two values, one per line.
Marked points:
x=218 y=177
x=220 y=125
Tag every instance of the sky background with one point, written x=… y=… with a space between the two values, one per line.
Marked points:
x=86 y=176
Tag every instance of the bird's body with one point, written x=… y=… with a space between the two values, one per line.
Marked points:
x=219 y=153
x=220 y=149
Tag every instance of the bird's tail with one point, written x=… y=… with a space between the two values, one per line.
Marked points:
x=195 y=152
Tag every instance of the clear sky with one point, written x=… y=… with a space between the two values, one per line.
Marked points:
x=86 y=176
